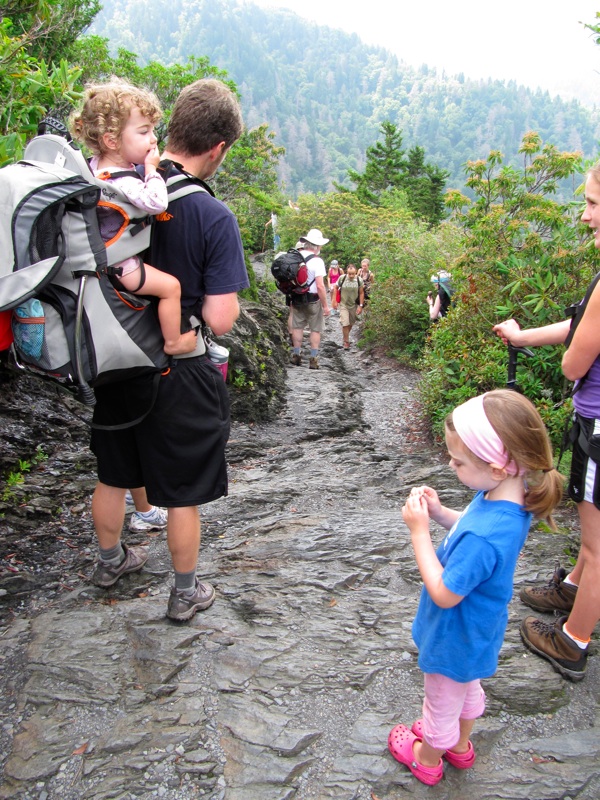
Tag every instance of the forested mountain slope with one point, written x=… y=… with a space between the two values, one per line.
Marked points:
x=325 y=93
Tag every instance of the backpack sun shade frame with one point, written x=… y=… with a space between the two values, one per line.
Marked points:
x=70 y=322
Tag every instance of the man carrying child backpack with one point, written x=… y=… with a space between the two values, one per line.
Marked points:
x=178 y=450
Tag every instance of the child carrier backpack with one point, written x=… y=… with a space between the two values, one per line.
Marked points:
x=70 y=321
x=291 y=273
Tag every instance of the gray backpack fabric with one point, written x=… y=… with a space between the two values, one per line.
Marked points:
x=70 y=323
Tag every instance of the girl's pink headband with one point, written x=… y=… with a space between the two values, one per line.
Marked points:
x=476 y=432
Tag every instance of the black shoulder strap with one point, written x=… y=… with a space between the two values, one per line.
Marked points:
x=577 y=313
x=120 y=173
x=179 y=182
x=580 y=309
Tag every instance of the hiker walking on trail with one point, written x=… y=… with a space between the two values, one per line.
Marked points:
x=178 y=450
x=499 y=447
x=117 y=123
x=440 y=298
x=574 y=594
x=334 y=274
x=351 y=294
x=367 y=277
x=308 y=310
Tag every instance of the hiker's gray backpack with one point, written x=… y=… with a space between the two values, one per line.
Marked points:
x=70 y=321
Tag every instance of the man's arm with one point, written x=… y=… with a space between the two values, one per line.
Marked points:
x=220 y=312
x=322 y=294
x=361 y=297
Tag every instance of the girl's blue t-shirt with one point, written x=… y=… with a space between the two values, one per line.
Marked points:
x=479 y=556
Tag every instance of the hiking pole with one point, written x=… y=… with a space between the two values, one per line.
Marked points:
x=513 y=354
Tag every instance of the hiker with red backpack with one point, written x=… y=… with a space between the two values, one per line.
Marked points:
x=310 y=308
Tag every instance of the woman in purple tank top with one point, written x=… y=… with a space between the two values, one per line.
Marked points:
x=575 y=594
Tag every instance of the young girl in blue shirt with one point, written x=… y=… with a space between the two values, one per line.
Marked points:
x=499 y=447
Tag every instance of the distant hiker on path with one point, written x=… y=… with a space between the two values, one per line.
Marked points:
x=308 y=310
x=117 y=124
x=351 y=293
x=499 y=447
x=334 y=274
x=575 y=594
x=178 y=451
x=440 y=298
x=367 y=277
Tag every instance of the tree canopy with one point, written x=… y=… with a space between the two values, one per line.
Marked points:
x=387 y=169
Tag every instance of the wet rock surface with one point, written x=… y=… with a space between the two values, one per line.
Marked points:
x=288 y=685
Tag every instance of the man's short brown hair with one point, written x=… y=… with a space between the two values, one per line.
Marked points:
x=206 y=113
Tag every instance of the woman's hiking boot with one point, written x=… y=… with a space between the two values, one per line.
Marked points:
x=548 y=640
x=555 y=596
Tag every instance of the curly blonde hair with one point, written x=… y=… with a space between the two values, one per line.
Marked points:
x=106 y=109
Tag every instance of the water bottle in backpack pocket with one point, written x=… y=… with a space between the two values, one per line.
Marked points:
x=28 y=325
x=218 y=354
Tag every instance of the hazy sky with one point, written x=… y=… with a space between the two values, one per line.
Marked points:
x=536 y=42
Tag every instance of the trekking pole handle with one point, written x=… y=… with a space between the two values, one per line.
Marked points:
x=513 y=354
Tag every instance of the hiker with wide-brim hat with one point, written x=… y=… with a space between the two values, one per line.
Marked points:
x=310 y=309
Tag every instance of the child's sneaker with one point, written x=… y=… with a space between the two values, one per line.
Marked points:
x=129 y=504
x=144 y=521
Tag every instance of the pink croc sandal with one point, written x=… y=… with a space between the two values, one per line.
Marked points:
x=400 y=745
x=458 y=760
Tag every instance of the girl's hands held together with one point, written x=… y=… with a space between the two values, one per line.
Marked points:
x=415 y=513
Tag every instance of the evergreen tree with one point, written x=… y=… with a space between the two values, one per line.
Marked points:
x=387 y=170
x=385 y=166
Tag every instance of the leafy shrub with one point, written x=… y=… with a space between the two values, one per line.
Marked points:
x=523 y=256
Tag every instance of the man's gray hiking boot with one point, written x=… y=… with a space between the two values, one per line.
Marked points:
x=106 y=575
x=182 y=607
x=548 y=640
x=555 y=596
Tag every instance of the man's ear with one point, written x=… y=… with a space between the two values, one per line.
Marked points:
x=218 y=151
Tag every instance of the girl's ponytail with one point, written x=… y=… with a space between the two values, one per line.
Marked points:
x=519 y=425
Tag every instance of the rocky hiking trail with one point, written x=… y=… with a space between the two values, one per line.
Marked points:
x=288 y=685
